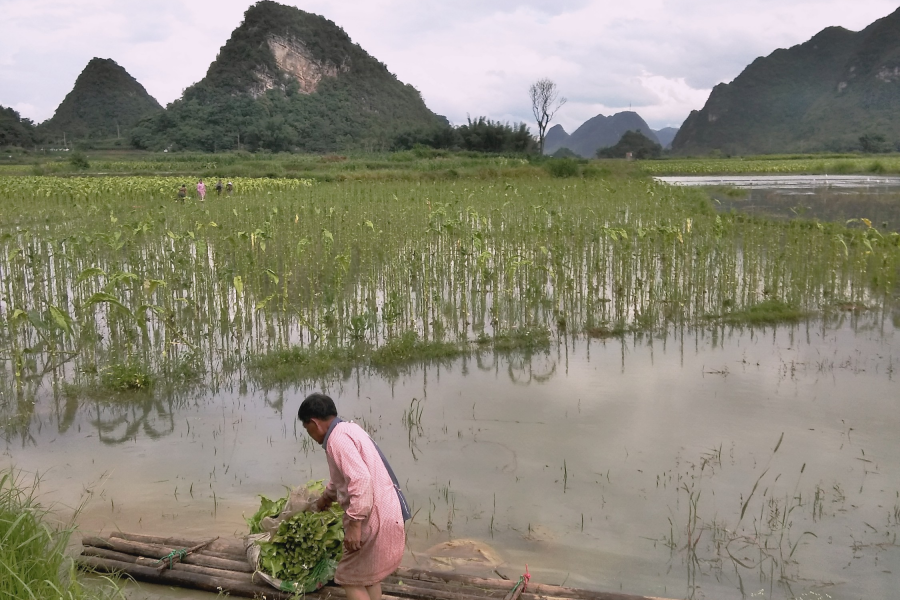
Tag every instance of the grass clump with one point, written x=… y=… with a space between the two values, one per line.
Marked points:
x=522 y=339
x=33 y=560
x=79 y=161
x=607 y=330
x=297 y=363
x=764 y=313
x=562 y=167
x=409 y=348
x=126 y=377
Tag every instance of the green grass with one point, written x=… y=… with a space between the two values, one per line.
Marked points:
x=126 y=377
x=33 y=552
x=298 y=364
x=768 y=312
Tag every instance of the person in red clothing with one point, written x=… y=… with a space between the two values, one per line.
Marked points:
x=362 y=482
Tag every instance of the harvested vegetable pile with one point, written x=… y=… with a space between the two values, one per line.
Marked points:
x=306 y=546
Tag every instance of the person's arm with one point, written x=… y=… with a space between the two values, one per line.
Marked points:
x=328 y=497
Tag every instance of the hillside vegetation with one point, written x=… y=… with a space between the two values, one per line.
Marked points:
x=289 y=80
x=822 y=95
x=105 y=102
x=14 y=130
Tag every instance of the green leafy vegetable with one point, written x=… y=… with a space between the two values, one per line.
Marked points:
x=301 y=543
x=267 y=508
x=306 y=548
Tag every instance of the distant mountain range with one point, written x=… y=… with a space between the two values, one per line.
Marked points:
x=289 y=80
x=822 y=95
x=285 y=80
x=603 y=132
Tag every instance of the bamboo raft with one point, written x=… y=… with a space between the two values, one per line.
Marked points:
x=221 y=566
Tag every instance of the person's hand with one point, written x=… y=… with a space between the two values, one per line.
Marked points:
x=352 y=535
x=322 y=503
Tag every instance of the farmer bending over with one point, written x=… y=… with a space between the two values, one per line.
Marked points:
x=361 y=482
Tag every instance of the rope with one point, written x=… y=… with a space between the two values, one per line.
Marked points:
x=171 y=556
x=523 y=581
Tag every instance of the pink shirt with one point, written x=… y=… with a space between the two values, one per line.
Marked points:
x=201 y=188
x=363 y=488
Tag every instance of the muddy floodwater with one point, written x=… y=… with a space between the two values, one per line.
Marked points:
x=728 y=463
x=838 y=198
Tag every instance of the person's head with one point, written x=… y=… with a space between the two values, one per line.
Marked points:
x=200 y=181
x=316 y=413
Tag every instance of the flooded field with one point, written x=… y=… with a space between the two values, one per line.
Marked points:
x=685 y=465
x=606 y=380
x=837 y=198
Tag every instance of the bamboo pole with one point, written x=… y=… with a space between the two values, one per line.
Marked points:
x=221 y=548
x=180 y=555
x=442 y=585
x=538 y=589
x=152 y=563
x=417 y=584
x=156 y=551
x=180 y=578
x=418 y=593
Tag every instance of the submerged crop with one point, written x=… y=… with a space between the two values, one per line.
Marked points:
x=321 y=278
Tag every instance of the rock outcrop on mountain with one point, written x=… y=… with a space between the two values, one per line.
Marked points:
x=104 y=102
x=289 y=80
x=822 y=95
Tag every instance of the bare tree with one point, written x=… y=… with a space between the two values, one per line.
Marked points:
x=544 y=104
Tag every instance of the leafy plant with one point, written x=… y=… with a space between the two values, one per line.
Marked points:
x=306 y=547
x=33 y=558
x=267 y=508
x=125 y=377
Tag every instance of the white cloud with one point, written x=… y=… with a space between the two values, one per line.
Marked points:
x=474 y=57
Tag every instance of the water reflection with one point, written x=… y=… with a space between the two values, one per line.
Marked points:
x=880 y=206
x=683 y=464
x=837 y=198
x=145 y=414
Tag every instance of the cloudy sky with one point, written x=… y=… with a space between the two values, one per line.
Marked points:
x=661 y=58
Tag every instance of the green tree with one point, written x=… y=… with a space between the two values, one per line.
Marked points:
x=873 y=143
x=635 y=142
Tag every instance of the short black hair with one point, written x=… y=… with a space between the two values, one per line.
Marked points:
x=316 y=406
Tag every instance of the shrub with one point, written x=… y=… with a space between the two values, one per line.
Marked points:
x=79 y=161
x=562 y=167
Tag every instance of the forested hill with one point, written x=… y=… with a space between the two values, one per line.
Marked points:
x=289 y=80
x=105 y=102
x=822 y=95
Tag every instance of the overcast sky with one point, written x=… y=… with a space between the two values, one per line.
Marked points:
x=661 y=58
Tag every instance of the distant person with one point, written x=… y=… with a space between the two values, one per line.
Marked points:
x=219 y=188
x=228 y=188
x=201 y=190
x=182 y=192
